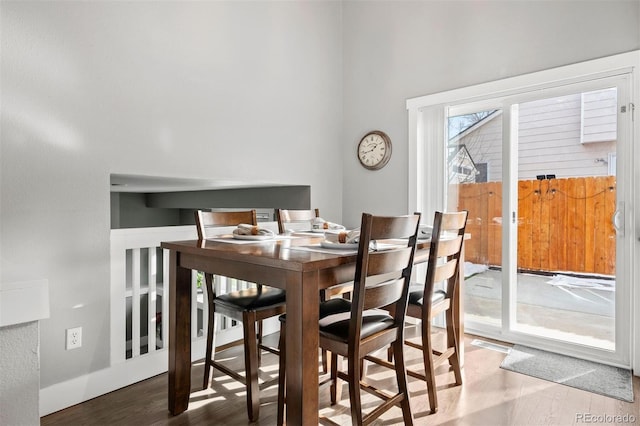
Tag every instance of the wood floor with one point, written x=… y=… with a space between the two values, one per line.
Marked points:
x=489 y=396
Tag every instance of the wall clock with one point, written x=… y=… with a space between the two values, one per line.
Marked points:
x=374 y=150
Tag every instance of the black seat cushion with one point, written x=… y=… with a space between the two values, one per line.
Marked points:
x=252 y=298
x=334 y=306
x=336 y=326
x=416 y=294
x=329 y=307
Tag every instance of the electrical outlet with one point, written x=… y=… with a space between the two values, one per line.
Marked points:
x=74 y=338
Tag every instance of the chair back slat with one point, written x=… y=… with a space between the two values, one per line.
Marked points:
x=383 y=294
x=449 y=246
x=381 y=262
x=446 y=270
x=208 y=221
x=382 y=229
x=453 y=221
x=285 y=216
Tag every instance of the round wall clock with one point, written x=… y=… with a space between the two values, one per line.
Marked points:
x=374 y=150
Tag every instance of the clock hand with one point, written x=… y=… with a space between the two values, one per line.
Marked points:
x=376 y=146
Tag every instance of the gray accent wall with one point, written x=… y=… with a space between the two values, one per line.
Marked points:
x=143 y=210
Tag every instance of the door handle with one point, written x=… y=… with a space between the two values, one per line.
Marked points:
x=618 y=219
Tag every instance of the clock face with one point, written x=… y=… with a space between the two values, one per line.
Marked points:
x=374 y=150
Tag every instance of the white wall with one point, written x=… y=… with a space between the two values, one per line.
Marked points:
x=399 y=50
x=232 y=90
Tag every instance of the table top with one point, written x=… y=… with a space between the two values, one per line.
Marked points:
x=279 y=252
x=295 y=252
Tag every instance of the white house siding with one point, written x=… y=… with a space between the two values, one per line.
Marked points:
x=485 y=146
x=599 y=121
x=549 y=142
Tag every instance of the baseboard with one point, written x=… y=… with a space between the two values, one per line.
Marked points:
x=80 y=389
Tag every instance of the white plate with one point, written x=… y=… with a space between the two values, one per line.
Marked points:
x=335 y=230
x=424 y=232
x=253 y=237
x=339 y=246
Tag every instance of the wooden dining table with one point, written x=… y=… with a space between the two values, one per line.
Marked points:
x=293 y=263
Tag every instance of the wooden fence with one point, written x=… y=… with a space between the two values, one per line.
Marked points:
x=563 y=224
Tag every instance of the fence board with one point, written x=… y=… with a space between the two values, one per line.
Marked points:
x=591 y=227
x=563 y=218
x=610 y=231
x=469 y=200
x=536 y=211
x=544 y=223
x=578 y=212
x=553 y=225
x=599 y=226
x=525 y=223
x=563 y=224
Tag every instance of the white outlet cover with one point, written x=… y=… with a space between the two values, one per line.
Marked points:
x=74 y=338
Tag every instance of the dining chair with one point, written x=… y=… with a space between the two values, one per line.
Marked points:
x=286 y=218
x=249 y=306
x=357 y=327
x=296 y=220
x=443 y=266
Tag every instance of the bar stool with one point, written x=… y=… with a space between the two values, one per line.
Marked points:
x=249 y=306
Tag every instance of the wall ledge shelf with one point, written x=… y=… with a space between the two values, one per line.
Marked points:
x=23 y=301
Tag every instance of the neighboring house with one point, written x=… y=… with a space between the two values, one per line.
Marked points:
x=462 y=169
x=567 y=136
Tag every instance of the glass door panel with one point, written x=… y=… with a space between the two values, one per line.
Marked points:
x=566 y=196
x=474 y=171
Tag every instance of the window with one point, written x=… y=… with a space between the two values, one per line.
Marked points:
x=598 y=122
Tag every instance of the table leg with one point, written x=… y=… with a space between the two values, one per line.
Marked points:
x=179 y=335
x=302 y=348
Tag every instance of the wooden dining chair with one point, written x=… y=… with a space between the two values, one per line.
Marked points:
x=355 y=328
x=443 y=266
x=296 y=220
x=250 y=306
x=286 y=218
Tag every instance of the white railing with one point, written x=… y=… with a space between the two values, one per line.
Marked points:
x=139 y=295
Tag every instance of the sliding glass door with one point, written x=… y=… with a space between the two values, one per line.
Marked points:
x=538 y=172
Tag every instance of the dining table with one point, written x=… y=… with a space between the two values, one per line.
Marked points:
x=297 y=263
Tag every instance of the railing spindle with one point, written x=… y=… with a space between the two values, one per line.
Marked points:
x=151 y=299
x=135 y=302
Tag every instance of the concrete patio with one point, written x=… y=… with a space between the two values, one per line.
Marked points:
x=576 y=310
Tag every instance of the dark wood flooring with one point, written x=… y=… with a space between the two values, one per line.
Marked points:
x=489 y=396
